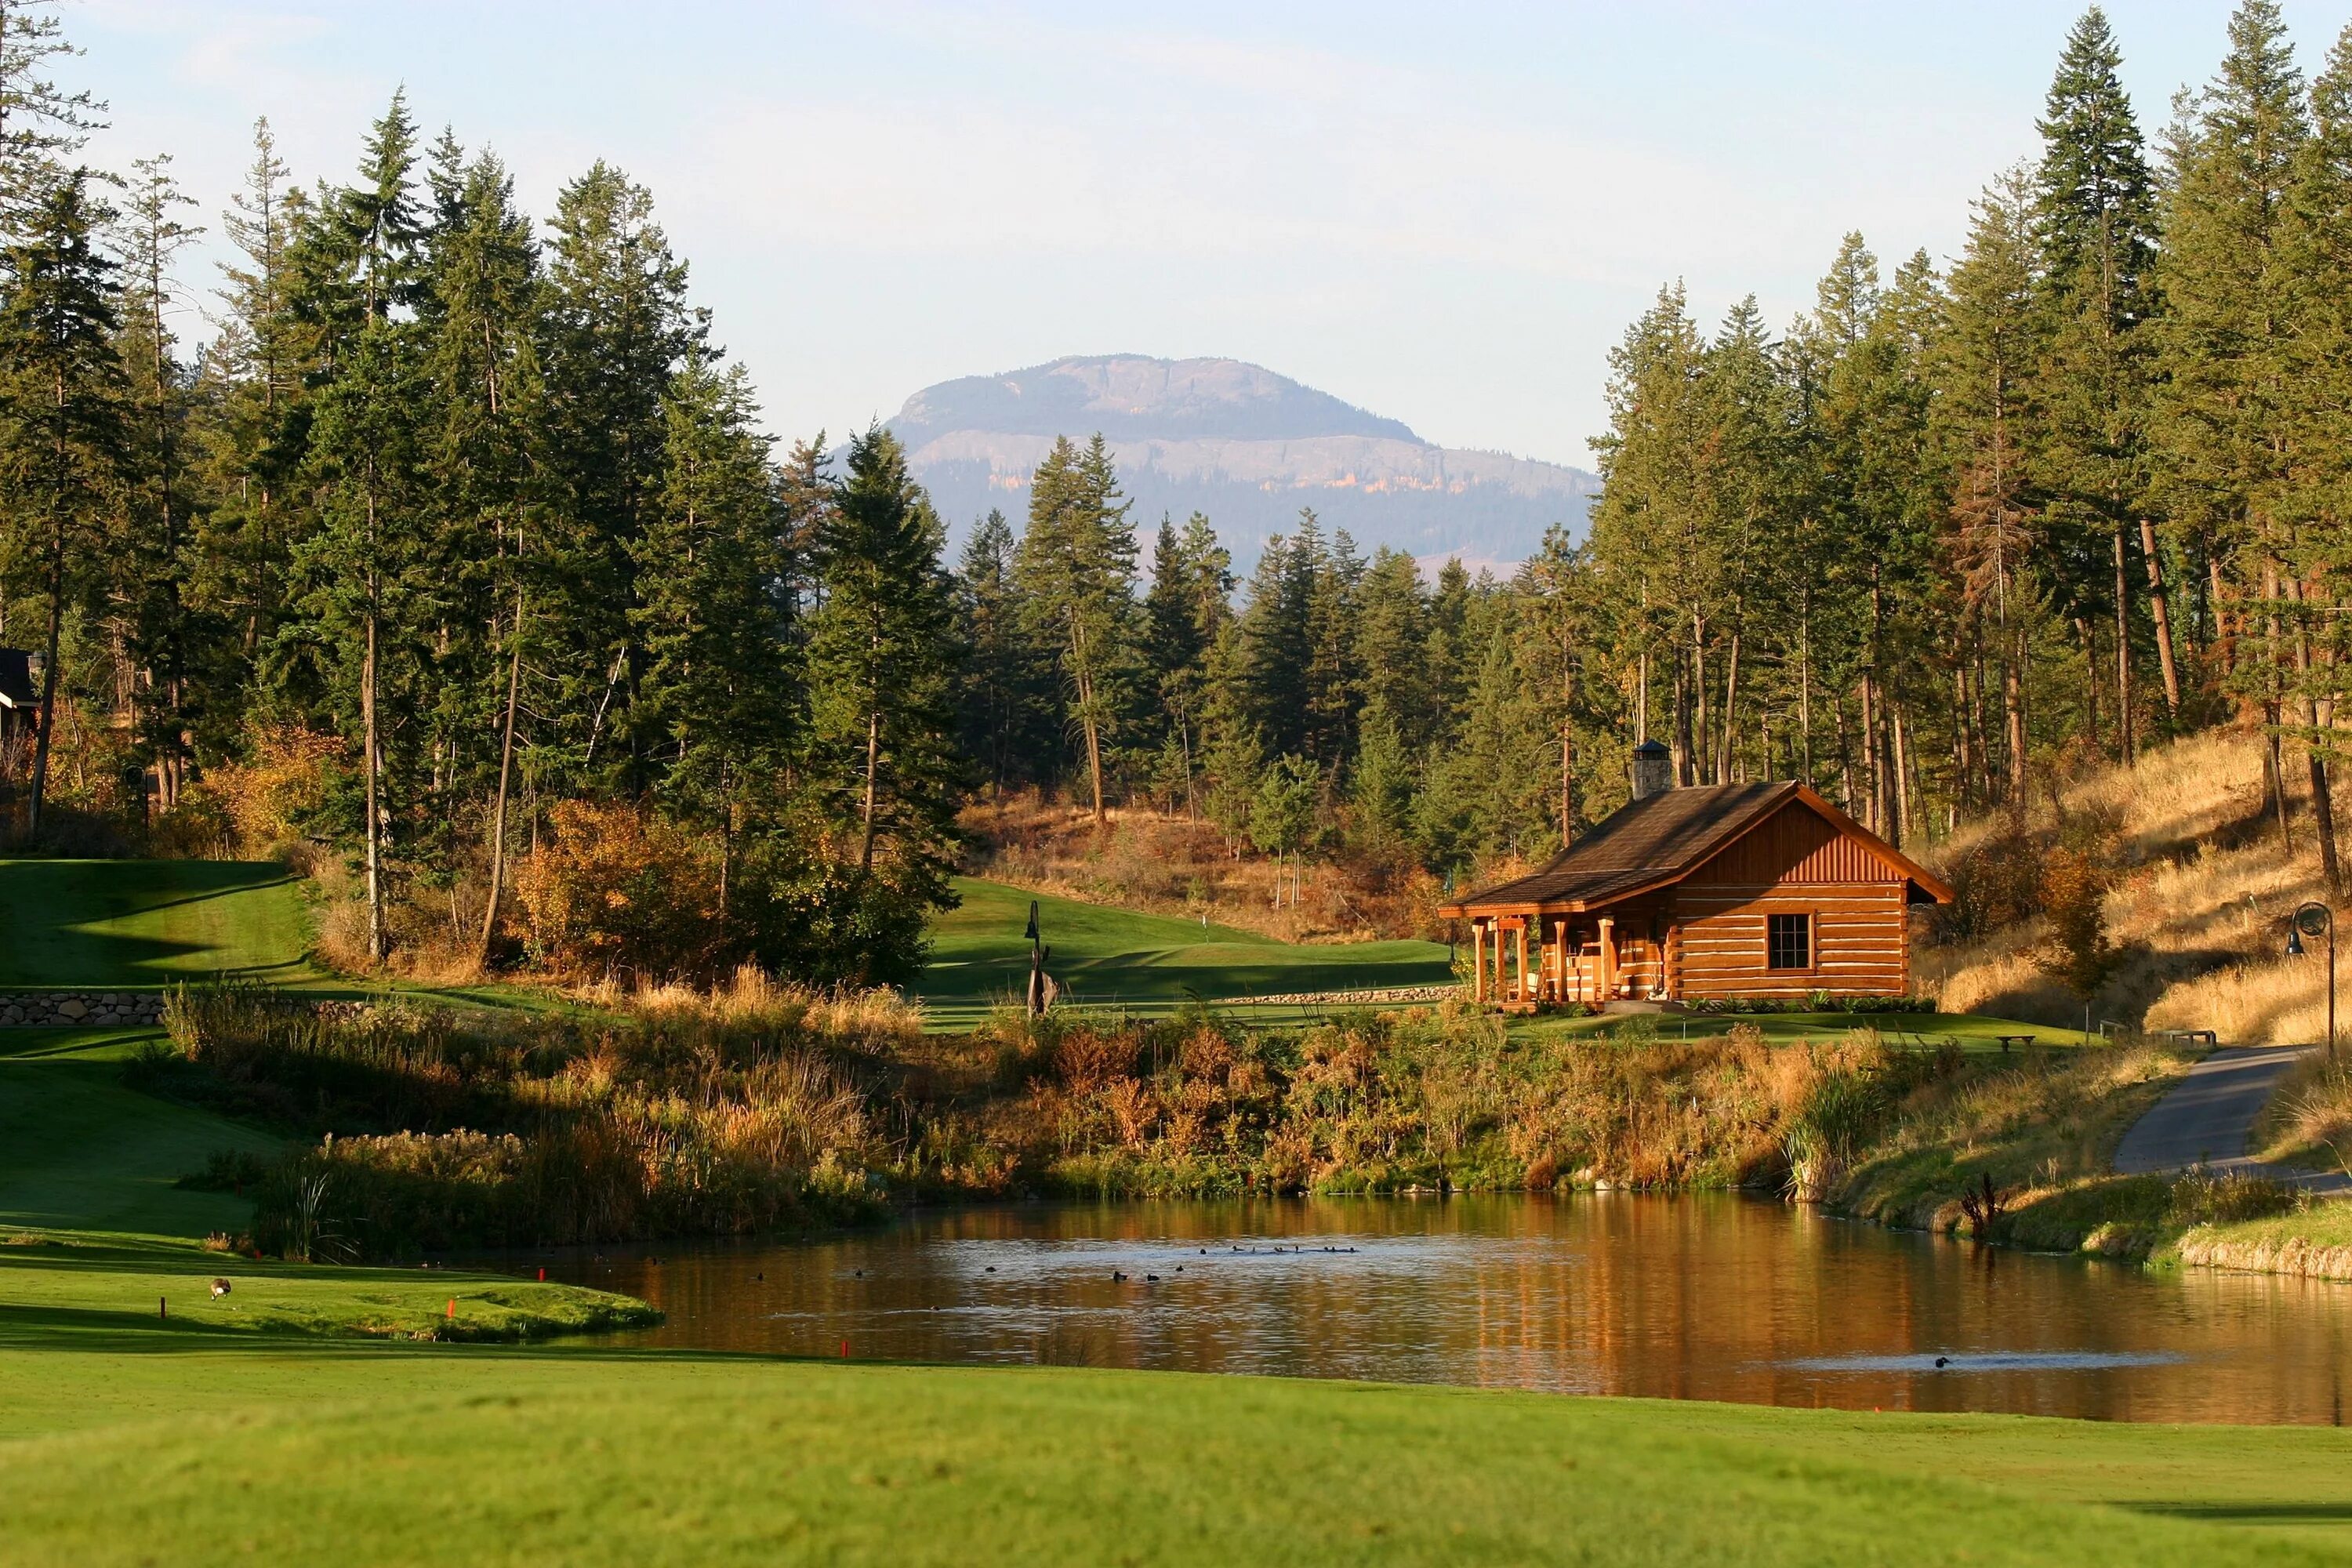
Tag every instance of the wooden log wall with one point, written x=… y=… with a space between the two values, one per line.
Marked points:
x=1794 y=864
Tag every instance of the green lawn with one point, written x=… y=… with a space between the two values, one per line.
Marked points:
x=150 y=923
x=1971 y=1031
x=1146 y=963
x=152 y=1445
x=77 y=1148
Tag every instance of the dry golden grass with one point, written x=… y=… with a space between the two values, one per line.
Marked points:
x=752 y=1000
x=2202 y=890
x=2308 y=1121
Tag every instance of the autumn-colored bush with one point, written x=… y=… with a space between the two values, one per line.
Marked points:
x=273 y=796
x=2074 y=893
x=1997 y=884
x=614 y=891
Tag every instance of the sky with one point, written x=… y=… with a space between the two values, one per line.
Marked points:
x=1447 y=214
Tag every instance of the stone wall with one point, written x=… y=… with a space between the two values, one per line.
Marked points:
x=78 y=1009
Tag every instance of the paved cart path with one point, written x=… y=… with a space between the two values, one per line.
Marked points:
x=2208 y=1119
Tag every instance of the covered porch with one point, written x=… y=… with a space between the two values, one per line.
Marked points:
x=1524 y=959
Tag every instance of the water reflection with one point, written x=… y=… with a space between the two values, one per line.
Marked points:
x=1711 y=1297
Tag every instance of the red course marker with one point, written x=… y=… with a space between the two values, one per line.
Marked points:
x=844 y=1349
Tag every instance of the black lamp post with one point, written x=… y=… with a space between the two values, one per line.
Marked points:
x=2316 y=918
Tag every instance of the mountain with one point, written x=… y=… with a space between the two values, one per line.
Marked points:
x=1236 y=442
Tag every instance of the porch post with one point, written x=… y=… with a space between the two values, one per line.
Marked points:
x=1477 y=960
x=1607 y=958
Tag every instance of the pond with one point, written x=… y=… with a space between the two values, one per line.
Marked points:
x=1700 y=1297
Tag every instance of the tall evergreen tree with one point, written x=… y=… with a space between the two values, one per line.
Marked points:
x=1008 y=722
x=1076 y=567
x=2223 y=343
x=2095 y=218
x=719 y=697
x=64 y=424
x=617 y=330
x=165 y=631
x=881 y=662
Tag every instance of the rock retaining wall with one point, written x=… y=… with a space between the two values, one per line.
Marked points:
x=78 y=1009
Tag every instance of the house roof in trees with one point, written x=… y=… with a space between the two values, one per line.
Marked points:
x=17 y=690
x=1657 y=841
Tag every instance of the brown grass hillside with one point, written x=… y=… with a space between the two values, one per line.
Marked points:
x=2201 y=889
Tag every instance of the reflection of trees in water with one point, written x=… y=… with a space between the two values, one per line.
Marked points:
x=1701 y=1295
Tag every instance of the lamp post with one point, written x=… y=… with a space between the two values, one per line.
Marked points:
x=2315 y=919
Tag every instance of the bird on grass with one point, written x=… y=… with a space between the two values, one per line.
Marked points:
x=220 y=1289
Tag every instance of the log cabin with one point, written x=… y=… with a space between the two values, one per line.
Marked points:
x=1734 y=891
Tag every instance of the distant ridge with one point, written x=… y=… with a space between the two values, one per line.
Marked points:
x=1244 y=445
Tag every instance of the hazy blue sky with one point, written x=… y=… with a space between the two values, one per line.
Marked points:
x=1445 y=213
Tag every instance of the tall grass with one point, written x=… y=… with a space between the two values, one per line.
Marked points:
x=2201 y=886
x=443 y=1130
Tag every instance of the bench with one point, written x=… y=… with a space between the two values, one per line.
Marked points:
x=2009 y=1041
x=2205 y=1037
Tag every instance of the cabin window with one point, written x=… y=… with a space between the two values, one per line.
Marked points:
x=1788 y=941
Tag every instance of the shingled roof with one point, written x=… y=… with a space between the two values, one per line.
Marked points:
x=1660 y=839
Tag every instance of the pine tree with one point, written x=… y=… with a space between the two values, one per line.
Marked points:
x=881 y=659
x=1987 y=362
x=2223 y=342
x=253 y=439
x=617 y=330
x=2318 y=502
x=1008 y=726
x=2095 y=219
x=166 y=633
x=367 y=582
x=40 y=124
x=720 y=698
x=64 y=422
x=481 y=314
x=1077 y=566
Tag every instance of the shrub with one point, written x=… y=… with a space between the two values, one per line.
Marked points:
x=614 y=891
x=1996 y=884
x=2074 y=891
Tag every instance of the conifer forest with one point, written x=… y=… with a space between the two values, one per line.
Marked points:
x=453 y=546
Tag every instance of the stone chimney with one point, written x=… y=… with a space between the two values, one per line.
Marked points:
x=1654 y=769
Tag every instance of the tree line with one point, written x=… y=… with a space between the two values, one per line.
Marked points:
x=2081 y=489
x=473 y=512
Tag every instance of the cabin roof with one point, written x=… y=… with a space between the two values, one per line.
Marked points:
x=1658 y=840
x=16 y=689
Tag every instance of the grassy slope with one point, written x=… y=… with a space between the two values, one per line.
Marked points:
x=1148 y=963
x=77 y=1148
x=148 y=922
x=95 y=1231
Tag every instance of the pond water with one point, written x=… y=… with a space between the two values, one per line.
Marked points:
x=1702 y=1297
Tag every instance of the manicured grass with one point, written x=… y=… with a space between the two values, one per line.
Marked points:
x=77 y=1148
x=150 y=923
x=1146 y=963
x=167 y=1448
x=90 y=1281
x=93 y=1230
x=1971 y=1032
